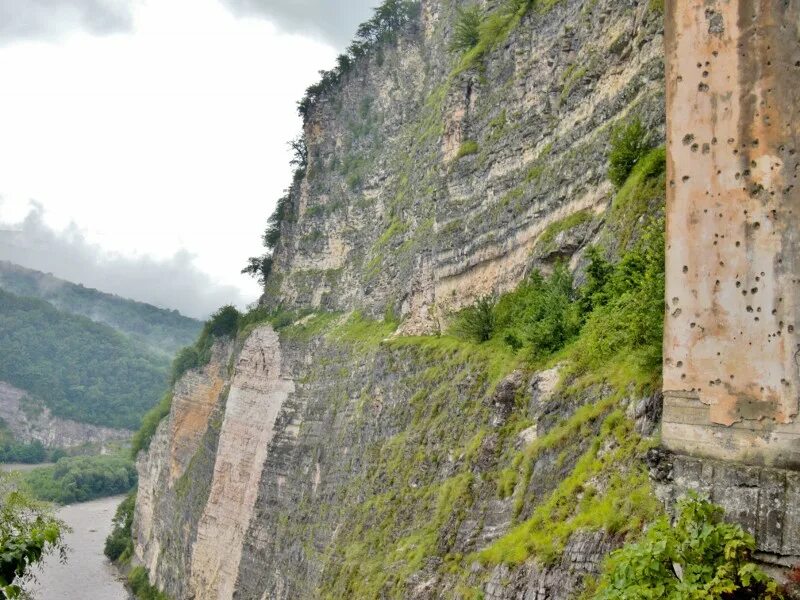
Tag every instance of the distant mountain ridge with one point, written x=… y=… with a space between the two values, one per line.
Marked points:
x=82 y=370
x=162 y=330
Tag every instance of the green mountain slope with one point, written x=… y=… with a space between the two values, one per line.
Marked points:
x=82 y=370
x=164 y=330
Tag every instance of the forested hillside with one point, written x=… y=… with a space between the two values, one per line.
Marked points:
x=163 y=330
x=82 y=370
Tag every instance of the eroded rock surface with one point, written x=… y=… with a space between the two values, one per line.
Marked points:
x=31 y=421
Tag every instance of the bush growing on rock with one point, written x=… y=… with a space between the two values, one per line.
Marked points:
x=467 y=33
x=629 y=143
x=477 y=322
x=119 y=544
x=699 y=558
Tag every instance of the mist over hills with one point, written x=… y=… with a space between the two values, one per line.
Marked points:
x=89 y=356
x=81 y=370
x=161 y=330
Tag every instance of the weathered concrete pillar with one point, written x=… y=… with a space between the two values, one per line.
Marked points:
x=731 y=352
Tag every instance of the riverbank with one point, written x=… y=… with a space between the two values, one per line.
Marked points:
x=87 y=572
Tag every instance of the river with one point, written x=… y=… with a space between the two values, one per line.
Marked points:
x=87 y=574
x=11 y=467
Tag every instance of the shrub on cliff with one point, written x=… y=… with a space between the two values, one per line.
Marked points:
x=541 y=314
x=629 y=143
x=699 y=558
x=141 y=439
x=139 y=583
x=467 y=32
x=628 y=310
x=387 y=21
x=477 y=322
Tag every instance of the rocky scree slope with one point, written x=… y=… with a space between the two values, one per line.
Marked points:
x=343 y=457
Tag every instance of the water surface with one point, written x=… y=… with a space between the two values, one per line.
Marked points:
x=9 y=467
x=88 y=573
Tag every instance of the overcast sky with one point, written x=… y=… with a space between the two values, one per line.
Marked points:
x=143 y=142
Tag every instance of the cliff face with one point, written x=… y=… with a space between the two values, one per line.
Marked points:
x=426 y=187
x=343 y=458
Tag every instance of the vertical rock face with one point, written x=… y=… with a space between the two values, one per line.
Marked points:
x=258 y=391
x=731 y=373
x=277 y=481
x=200 y=478
x=174 y=473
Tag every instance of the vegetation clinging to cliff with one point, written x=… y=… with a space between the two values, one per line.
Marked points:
x=223 y=324
x=618 y=310
x=387 y=21
x=699 y=557
x=119 y=543
x=629 y=143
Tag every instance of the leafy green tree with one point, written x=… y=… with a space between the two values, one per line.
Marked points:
x=224 y=322
x=699 y=558
x=28 y=533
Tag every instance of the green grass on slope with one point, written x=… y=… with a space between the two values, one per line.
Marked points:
x=80 y=369
x=607 y=337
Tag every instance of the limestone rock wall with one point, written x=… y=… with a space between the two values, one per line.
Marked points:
x=175 y=474
x=258 y=391
x=390 y=216
x=266 y=480
x=731 y=373
x=199 y=479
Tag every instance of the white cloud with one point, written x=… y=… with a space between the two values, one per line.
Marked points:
x=171 y=138
x=51 y=19
x=334 y=20
x=174 y=282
